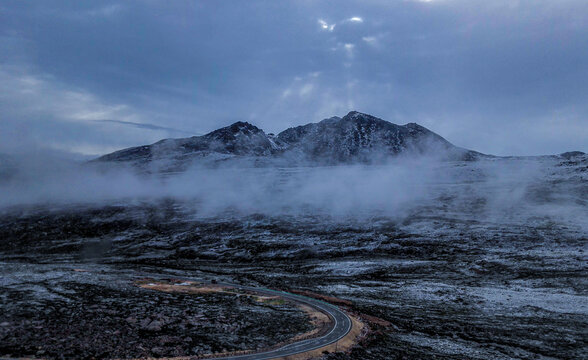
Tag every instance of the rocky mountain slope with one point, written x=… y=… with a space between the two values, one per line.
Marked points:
x=356 y=137
x=240 y=138
x=364 y=138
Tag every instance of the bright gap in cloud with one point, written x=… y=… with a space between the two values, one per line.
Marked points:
x=325 y=26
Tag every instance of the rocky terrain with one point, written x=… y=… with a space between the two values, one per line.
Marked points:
x=484 y=260
x=57 y=311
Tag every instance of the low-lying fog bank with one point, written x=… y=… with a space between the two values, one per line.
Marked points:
x=491 y=189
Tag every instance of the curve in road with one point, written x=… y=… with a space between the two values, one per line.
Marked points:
x=341 y=326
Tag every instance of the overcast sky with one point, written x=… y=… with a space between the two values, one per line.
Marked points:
x=497 y=76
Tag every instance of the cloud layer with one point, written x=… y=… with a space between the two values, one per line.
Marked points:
x=502 y=77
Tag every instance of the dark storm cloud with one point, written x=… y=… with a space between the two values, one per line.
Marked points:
x=496 y=76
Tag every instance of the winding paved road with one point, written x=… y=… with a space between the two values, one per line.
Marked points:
x=341 y=327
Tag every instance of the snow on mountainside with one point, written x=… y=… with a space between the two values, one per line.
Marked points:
x=240 y=138
x=364 y=138
x=356 y=137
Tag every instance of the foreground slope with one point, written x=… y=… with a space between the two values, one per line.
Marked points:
x=485 y=260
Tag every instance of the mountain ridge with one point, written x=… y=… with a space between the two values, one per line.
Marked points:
x=355 y=138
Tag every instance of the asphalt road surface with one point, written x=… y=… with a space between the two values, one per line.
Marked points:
x=341 y=327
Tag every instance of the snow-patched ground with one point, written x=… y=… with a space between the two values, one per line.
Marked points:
x=466 y=260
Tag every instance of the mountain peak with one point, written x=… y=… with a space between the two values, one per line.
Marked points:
x=353 y=113
x=357 y=137
x=362 y=119
x=237 y=127
x=358 y=115
x=243 y=124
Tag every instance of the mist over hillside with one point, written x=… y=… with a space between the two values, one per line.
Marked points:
x=425 y=245
x=354 y=166
x=345 y=191
x=355 y=138
x=419 y=238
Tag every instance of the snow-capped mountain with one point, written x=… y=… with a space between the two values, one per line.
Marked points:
x=240 y=138
x=359 y=137
x=356 y=137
